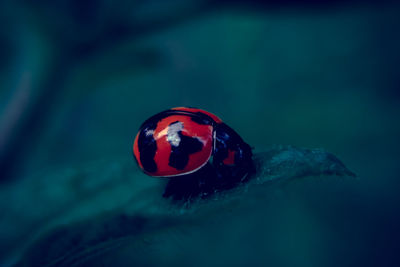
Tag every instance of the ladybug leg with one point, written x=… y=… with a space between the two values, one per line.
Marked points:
x=179 y=188
x=200 y=183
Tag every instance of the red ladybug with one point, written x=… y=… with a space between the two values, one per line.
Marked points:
x=195 y=149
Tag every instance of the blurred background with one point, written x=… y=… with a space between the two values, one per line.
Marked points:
x=77 y=78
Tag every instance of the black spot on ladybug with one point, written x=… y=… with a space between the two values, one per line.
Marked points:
x=202 y=118
x=147 y=148
x=181 y=146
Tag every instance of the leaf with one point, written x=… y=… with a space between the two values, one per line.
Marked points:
x=143 y=232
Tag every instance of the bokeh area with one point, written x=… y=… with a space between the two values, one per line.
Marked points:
x=77 y=78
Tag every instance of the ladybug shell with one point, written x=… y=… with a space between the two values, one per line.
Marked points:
x=175 y=142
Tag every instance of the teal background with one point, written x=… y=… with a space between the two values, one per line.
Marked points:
x=77 y=79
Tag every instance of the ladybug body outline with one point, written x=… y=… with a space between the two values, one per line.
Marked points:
x=194 y=148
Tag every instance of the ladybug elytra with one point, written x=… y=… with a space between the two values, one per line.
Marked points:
x=195 y=149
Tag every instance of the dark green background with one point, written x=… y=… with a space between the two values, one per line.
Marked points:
x=78 y=78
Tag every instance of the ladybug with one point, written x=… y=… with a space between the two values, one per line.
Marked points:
x=195 y=149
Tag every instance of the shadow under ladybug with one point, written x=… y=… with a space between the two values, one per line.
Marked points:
x=194 y=149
